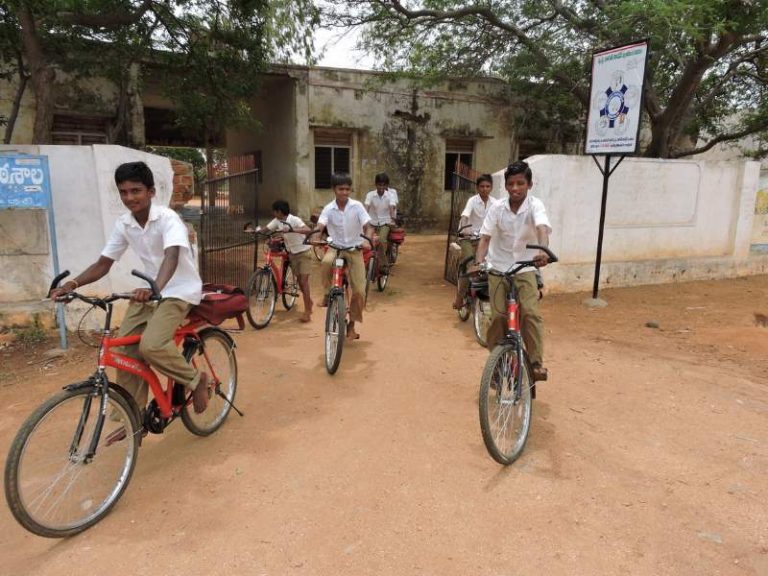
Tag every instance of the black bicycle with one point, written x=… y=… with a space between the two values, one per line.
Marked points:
x=507 y=388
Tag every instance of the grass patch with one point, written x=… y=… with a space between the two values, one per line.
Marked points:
x=31 y=335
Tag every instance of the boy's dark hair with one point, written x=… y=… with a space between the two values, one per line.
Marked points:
x=134 y=172
x=484 y=178
x=519 y=167
x=281 y=206
x=381 y=178
x=339 y=178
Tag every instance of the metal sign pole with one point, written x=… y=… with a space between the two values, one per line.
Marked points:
x=606 y=172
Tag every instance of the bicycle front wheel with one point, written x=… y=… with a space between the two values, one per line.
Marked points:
x=466 y=307
x=505 y=404
x=393 y=249
x=370 y=275
x=290 y=288
x=53 y=489
x=335 y=332
x=214 y=355
x=481 y=311
x=262 y=297
x=381 y=280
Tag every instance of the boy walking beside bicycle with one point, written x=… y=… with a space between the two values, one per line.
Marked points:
x=161 y=240
x=508 y=227
x=346 y=220
x=300 y=259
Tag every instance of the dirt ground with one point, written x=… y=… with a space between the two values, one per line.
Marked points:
x=648 y=453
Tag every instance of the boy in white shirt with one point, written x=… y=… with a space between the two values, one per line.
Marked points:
x=508 y=226
x=161 y=240
x=300 y=259
x=346 y=219
x=381 y=204
x=473 y=215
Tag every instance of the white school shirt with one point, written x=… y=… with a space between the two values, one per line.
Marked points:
x=163 y=229
x=345 y=226
x=510 y=232
x=378 y=206
x=294 y=242
x=475 y=211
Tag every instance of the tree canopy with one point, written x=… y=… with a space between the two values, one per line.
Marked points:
x=706 y=82
x=209 y=53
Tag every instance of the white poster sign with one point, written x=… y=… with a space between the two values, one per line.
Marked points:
x=613 y=122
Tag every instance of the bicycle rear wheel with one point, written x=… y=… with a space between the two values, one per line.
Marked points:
x=481 y=311
x=370 y=274
x=335 y=332
x=381 y=280
x=505 y=404
x=290 y=288
x=215 y=355
x=262 y=298
x=466 y=307
x=52 y=488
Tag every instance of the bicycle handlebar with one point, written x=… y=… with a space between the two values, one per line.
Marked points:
x=517 y=266
x=69 y=296
x=265 y=232
x=329 y=242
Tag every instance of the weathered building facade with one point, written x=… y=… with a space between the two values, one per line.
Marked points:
x=310 y=123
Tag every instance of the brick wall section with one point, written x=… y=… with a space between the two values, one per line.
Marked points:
x=183 y=183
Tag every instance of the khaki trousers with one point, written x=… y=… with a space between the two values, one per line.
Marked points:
x=356 y=272
x=467 y=251
x=532 y=325
x=156 y=322
x=382 y=247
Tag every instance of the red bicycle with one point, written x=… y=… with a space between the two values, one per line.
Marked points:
x=73 y=457
x=270 y=280
x=507 y=389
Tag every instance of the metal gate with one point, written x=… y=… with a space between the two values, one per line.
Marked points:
x=464 y=178
x=229 y=201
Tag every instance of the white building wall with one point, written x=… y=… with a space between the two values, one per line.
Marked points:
x=86 y=204
x=665 y=219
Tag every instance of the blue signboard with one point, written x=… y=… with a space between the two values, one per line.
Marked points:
x=24 y=181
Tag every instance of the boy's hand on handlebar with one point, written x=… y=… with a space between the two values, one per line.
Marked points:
x=141 y=295
x=540 y=260
x=59 y=293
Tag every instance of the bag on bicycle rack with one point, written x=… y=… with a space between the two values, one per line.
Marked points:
x=221 y=302
x=367 y=253
x=396 y=235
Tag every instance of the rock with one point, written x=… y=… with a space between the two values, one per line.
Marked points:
x=595 y=303
x=652 y=324
x=54 y=353
x=711 y=537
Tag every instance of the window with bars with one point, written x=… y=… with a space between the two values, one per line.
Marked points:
x=332 y=154
x=456 y=150
x=79 y=130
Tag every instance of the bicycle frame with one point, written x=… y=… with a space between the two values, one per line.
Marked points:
x=269 y=262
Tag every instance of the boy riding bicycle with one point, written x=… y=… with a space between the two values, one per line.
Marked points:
x=473 y=216
x=160 y=239
x=346 y=219
x=300 y=259
x=381 y=204
x=508 y=226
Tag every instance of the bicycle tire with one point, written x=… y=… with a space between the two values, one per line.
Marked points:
x=335 y=331
x=498 y=402
x=466 y=308
x=481 y=319
x=215 y=354
x=369 y=276
x=262 y=298
x=393 y=249
x=381 y=280
x=290 y=288
x=53 y=425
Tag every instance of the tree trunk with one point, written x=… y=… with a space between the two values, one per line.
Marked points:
x=41 y=74
x=23 y=78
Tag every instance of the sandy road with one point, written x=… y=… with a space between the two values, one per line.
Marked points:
x=648 y=452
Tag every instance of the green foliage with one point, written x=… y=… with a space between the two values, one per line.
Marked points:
x=708 y=58
x=31 y=335
x=206 y=54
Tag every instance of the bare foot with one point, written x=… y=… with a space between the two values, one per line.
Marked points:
x=200 y=394
x=306 y=317
x=352 y=335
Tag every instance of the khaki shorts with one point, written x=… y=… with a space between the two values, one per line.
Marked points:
x=301 y=263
